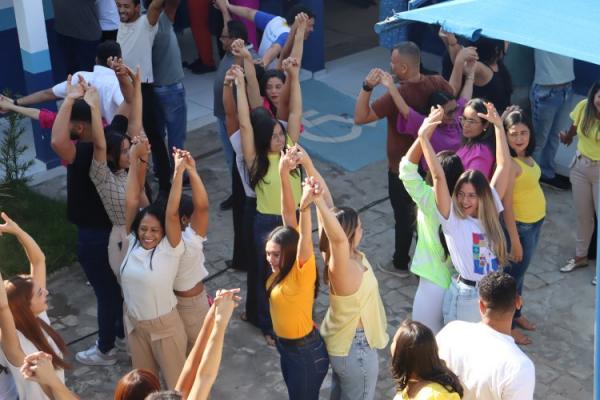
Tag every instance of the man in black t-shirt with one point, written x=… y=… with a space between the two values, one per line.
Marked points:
x=85 y=210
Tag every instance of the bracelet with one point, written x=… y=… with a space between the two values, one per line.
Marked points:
x=366 y=87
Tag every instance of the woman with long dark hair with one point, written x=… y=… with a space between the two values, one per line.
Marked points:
x=419 y=372
x=155 y=332
x=263 y=139
x=469 y=219
x=292 y=289
x=431 y=261
x=492 y=79
x=24 y=324
x=524 y=207
x=585 y=172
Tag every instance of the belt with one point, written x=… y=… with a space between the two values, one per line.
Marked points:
x=312 y=337
x=580 y=156
x=467 y=282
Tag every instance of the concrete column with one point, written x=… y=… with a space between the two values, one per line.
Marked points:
x=37 y=68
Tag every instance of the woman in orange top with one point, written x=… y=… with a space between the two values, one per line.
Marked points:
x=292 y=288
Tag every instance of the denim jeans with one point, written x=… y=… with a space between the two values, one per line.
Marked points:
x=405 y=218
x=546 y=104
x=355 y=375
x=263 y=225
x=173 y=114
x=461 y=302
x=227 y=147
x=529 y=235
x=250 y=257
x=92 y=252
x=304 y=367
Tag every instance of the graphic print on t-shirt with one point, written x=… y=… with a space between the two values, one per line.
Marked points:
x=484 y=261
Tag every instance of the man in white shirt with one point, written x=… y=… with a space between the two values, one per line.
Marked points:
x=136 y=36
x=102 y=78
x=484 y=355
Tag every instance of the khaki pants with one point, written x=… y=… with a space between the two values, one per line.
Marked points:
x=192 y=310
x=118 y=244
x=158 y=345
x=585 y=177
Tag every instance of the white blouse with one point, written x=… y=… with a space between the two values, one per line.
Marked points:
x=191 y=266
x=147 y=278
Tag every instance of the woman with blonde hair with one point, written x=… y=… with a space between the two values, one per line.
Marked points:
x=469 y=220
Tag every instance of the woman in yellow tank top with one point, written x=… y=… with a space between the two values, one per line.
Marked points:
x=524 y=207
x=419 y=372
x=355 y=324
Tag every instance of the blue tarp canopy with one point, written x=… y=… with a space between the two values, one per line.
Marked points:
x=564 y=27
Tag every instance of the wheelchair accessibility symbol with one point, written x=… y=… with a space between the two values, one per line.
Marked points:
x=311 y=119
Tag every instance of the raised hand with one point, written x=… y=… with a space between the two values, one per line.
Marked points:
x=386 y=79
x=467 y=54
x=74 y=91
x=91 y=97
x=225 y=302
x=5 y=104
x=238 y=73
x=373 y=77
x=238 y=48
x=140 y=147
x=291 y=66
x=38 y=368
x=432 y=121
x=190 y=162
x=229 y=76
x=301 y=21
x=447 y=37
x=179 y=159
x=288 y=160
x=469 y=68
x=308 y=192
x=9 y=226
x=492 y=115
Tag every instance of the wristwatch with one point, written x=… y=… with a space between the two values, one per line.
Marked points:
x=366 y=87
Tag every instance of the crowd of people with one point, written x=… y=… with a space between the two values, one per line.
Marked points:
x=464 y=169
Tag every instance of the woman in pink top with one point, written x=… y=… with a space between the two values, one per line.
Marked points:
x=477 y=149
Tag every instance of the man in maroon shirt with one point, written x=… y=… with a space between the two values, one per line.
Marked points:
x=415 y=88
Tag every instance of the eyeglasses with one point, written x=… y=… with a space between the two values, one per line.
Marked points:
x=515 y=135
x=469 y=121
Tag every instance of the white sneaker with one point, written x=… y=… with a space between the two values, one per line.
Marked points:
x=121 y=344
x=93 y=356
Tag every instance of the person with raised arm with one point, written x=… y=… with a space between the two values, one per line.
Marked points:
x=263 y=139
x=469 y=219
x=38 y=368
x=355 y=324
x=24 y=324
x=192 y=301
x=431 y=261
x=155 y=332
x=292 y=289
x=202 y=365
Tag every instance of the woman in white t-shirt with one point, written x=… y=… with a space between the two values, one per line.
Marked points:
x=155 y=331
x=470 y=222
x=24 y=324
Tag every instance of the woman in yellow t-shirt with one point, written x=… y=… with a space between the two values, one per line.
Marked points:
x=524 y=206
x=292 y=289
x=419 y=372
x=585 y=172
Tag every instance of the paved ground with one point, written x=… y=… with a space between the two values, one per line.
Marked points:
x=562 y=305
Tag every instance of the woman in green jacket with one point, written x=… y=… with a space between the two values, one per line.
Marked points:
x=431 y=261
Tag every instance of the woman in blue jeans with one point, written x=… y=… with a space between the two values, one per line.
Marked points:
x=263 y=140
x=524 y=207
x=292 y=289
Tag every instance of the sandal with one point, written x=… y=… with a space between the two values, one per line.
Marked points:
x=520 y=338
x=524 y=323
x=572 y=264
